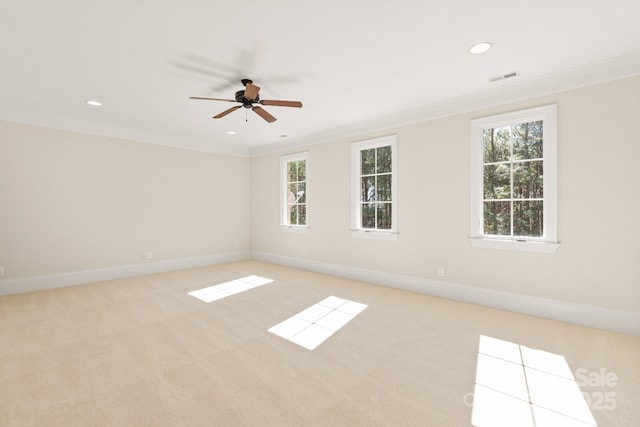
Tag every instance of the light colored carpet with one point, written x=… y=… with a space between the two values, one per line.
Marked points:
x=142 y=352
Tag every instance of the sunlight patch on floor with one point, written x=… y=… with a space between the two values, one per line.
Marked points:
x=520 y=386
x=312 y=326
x=223 y=290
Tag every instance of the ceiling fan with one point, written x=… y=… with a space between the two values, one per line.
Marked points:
x=247 y=98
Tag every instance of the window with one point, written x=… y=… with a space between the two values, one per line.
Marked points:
x=293 y=179
x=374 y=183
x=513 y=181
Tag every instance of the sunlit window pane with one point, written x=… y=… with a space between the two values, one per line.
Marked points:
x=368 y=189
x=527 y=140
x=368 y=216
x=368 y=161
x=496 y=144
x=497 y=181
x=383 y=188
x=302 y=170
x=528 y=218
x=383 y=161
x=527 y=180
x=383 y=220
x=497 y=218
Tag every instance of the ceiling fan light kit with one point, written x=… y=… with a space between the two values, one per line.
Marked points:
x=248 y=98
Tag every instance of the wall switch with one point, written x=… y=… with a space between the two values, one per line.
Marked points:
x=149 y=255
x=440 y=271
x=1 y=270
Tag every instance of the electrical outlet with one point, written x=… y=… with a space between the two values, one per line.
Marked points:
x=440 y=271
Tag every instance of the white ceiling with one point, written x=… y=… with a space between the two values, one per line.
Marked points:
x=355 y=65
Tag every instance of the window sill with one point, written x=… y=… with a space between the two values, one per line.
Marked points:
x=300 y=229
x=374 y=234
x=515 y=245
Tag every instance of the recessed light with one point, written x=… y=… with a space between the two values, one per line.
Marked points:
x=481 y=47
x=94 y=103
x=231 y=132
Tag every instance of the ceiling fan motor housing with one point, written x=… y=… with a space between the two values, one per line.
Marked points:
x=246 y=102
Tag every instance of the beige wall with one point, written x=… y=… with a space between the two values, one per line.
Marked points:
x=598 y=262
x=71 y=202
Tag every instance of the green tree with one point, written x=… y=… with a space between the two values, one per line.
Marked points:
x=513 y=179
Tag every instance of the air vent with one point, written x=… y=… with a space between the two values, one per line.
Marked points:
x=504 y=76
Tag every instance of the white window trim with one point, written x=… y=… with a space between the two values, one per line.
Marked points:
x=284 y=214
x=548 y=243
x=356 y=215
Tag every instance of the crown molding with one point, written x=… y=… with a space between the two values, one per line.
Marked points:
x=501 y=92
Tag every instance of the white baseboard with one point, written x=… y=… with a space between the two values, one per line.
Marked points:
x=51 y=281
x=596 y=317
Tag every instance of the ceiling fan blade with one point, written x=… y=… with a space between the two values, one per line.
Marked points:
x=212 y=99
x=225 y=112
x=277 y=103
x=251 y=91
x=264 y=114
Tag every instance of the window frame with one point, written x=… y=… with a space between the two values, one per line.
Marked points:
x=356 y=204
x=548 y=242
x=284 y=187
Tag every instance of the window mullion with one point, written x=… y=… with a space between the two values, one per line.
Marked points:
x=511 y=179
x=375 y=189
